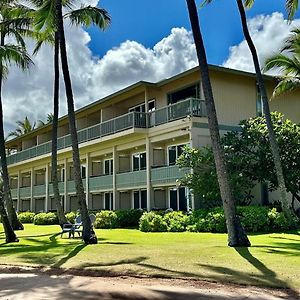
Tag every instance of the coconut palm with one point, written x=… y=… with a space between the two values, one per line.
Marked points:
x=291 y=6
x=236 y=233
x=50 y=15
x=23 y=127
x=13 y=24
x=288 y=63
x=266 y=109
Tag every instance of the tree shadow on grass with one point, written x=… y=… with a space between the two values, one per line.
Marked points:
x=287 y=249
x=42 y=252
x=70 y=255
x=269 y=275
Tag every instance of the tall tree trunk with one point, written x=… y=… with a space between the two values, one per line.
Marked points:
x=10 y=236
x=266 y=109
x=88 y=234
x=60 y=211
x=236 y=234
x=12 y=215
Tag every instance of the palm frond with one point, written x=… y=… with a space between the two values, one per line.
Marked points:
x=248 y=3
x=89 y=15
x=42 y=38
x=15 y=54
x=287 y=65
x=45 y=16
x=286 y=85
x=291 y=7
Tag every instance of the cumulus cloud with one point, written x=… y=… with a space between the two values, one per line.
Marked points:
x=30 y=94
x=268 y=33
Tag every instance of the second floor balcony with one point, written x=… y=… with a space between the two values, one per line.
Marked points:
x=189 y=107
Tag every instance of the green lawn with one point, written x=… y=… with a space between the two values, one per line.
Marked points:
x=273 y=259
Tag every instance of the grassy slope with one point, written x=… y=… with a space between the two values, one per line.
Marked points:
x=273 y=259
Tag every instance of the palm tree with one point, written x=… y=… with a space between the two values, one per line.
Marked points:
x=23 y=127
x=50 y=17
x=46 y=21
x=288 y=62
x=236 y=233
x=13 y=24
x=100 y=18
x=266 y=108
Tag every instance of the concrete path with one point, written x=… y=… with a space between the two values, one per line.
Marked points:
x=38 y=285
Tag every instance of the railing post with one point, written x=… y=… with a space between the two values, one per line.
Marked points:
x=191 y=107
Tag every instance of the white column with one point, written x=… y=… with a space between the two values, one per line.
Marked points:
x=149 y=159
x=87 y=177
x=47 y=188
x=18 y=193
x=115 y=170
x=31 y=189
x=66 y=183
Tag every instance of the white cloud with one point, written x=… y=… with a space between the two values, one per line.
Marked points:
x=268 y=33
x=30 y=94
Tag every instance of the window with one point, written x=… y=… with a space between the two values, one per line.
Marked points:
x=259 y=103
x=142 y=107
x=108 y=167
x=173 y=153
x=108 y=201
x=139 y=161
x=151 y=105
x=178 y=198
x=185 y=93
x=138 y=108
x=83 y=171
x=140 y=199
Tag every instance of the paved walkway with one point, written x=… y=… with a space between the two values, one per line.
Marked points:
x=33 y=285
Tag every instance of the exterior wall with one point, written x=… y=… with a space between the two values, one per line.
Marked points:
x=235 y=97
x=288 y=104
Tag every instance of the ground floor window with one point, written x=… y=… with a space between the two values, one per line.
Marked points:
x=108 y=201
x=178 y=198
x=140 y=199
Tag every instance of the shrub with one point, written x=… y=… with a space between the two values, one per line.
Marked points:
x=45 y=219
x=129 y=218
x=278 y=221
x=196 y=215
x=26 y=217
x=176 y=221
x=254 y=218
x=71 y=216
x=106 y=219
x=215 y=222
x=152 y=222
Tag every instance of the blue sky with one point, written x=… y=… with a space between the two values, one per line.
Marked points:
x=147 y=22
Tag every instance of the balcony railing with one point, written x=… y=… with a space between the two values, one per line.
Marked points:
x=25 y=192
x=39 y=190
x=98 y=183
x=131 y=179
x=167 y=174
x=189 y=107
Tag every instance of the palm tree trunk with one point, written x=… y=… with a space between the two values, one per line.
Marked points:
x=60 y=211
x=10 y=236
x=88 y=234
x=266 y=109
x=236 y=233
x=12 y=215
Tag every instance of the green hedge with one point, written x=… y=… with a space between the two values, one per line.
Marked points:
x=106 y=219
x=45 y=219
x=26 y=217
x=253 y=218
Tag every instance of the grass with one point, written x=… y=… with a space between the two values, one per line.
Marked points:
x=273 y=260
